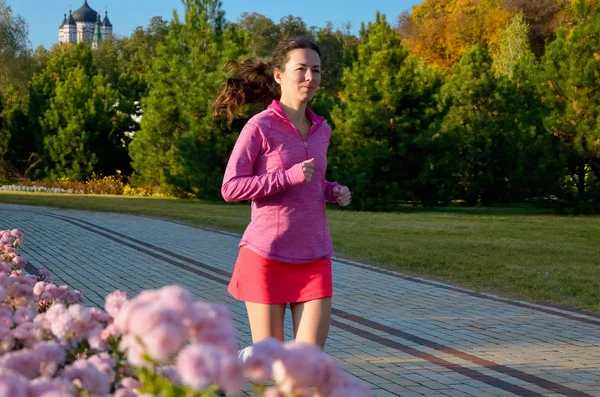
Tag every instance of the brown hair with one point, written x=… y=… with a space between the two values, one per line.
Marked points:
x=252 y=79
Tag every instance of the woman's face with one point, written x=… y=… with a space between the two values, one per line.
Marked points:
x=301 y=76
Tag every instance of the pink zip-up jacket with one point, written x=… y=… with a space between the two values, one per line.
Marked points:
x=289 y=220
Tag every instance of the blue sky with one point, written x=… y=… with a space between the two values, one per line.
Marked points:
x=45 y=16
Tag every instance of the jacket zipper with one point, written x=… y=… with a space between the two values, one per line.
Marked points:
x=302 y=139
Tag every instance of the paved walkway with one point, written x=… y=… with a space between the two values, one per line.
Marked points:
x=402 y=335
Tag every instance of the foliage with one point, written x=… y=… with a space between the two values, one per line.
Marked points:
x=571 y=71
x=440 y=31
x=16 y=64
x=379 y=150
x=180 y=144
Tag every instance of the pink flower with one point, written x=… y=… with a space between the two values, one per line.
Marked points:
x=44 y=358
x=19 y=262
x=230 y=374
x=212 y=324
x=134 y=351
x=6 y=321
x=332 y=377
x=150 y=316
x=302 y=363
x=39 y=288
x=273 y=392
x=88 y=377
x=45 y=274
x=80 y=313
x=270 y=347
x=22 y=294
x=50 y=356
x=23 y=314
x=124 y=393
x=42 y=386
x=114 y=302
x=16 y=233
x=111 y=329
x=55 y=393
x=96 y=340
x=22 y=362
x=12 y=384
x=176 y=298
x=100 y=316
x=257 y=367
x=55 y=311
x=198 y=366
x=125 y=317
x=42 y=321
x=24 y=331
x=105 y=364
x=62 y=324
x=164 y=340
x=7 y=341
x=73 y=296
x=131 y=383
x=3 y=294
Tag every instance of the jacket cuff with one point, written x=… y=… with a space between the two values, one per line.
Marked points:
x=295 y=174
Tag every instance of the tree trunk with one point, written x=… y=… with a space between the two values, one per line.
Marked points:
x=581 y=181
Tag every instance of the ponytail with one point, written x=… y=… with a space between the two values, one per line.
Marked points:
x=251 y=82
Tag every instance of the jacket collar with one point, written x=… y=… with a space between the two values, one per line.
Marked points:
x=276 y=108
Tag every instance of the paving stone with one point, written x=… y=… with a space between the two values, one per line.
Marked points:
x=403 y=335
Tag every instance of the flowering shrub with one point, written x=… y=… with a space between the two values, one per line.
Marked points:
x=93 y=185
x=160 y=343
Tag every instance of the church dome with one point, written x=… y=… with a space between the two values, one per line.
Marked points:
x=85 y=14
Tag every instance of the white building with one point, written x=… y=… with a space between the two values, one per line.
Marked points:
x=84 y=24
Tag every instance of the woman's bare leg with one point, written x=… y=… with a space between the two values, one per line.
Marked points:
x=312 y=320
x=265 y=321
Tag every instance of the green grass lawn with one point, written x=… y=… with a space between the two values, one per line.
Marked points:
x=516 y=252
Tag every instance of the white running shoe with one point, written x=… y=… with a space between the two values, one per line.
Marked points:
x=245 y=353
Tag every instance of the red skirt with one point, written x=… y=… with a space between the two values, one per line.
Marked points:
x=262 y=280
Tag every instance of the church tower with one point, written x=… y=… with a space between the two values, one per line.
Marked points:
x=84 y=24
x=106 y=28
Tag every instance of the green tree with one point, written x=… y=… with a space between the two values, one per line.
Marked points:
x=339 y=51
x=388 y=102
x=263 y=33
x=16 y=65
x=72 y=115
x=571 y=70
x=291 y=26
x=180 y=145
x=478 y=128
x=16 y=128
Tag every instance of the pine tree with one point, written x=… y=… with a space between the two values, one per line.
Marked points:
x=572 y=67
x=16 y=127
x=72 y=114
x=382 y=125
x=473 y=126
x=180 y=145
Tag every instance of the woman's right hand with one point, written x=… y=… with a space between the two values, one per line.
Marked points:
x=308 y=167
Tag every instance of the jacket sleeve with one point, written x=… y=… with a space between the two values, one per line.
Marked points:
x=329 y=197
x=239 y=182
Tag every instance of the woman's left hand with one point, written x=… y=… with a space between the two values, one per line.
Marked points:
x=342 y=196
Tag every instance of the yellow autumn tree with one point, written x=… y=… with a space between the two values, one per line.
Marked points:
x=442 y=30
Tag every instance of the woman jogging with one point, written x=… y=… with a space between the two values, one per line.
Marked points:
x=279 y=162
